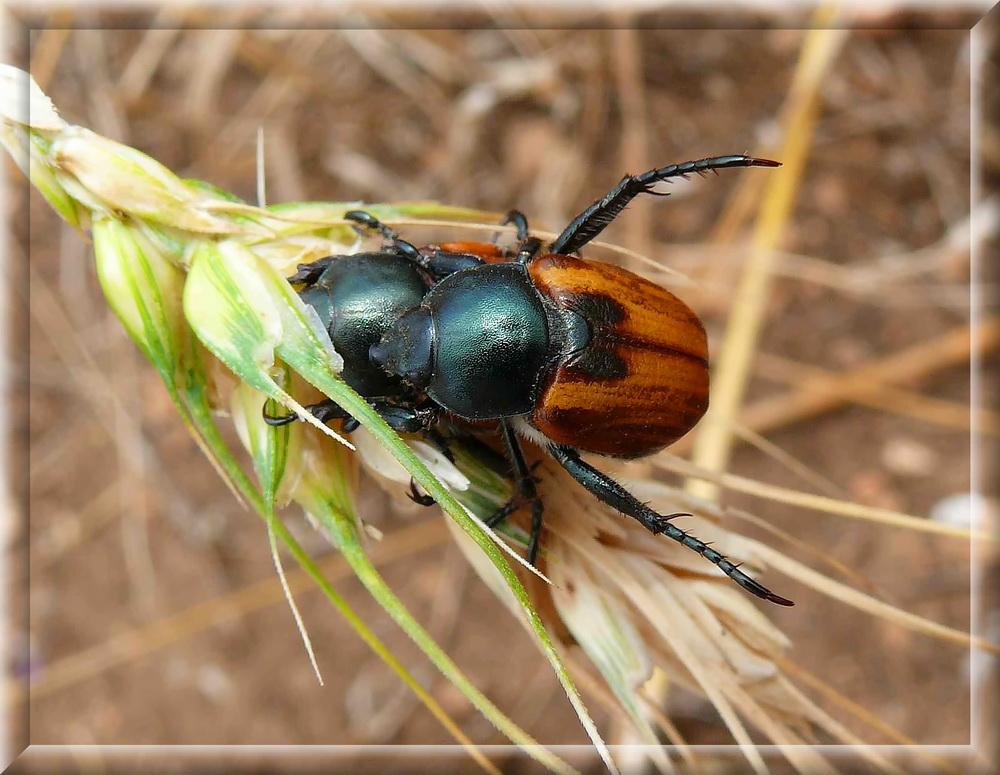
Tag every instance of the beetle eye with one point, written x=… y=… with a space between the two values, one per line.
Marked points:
x=406 y=349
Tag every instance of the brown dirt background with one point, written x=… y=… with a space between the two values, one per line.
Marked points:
x=129 y=527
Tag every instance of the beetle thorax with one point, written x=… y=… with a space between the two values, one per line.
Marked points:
x=483 y=336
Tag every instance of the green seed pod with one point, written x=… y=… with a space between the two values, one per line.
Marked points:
x=145 y=290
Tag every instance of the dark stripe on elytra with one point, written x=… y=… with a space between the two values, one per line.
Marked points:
x=597 y=308
x=604 y=315
x=600 y=360
x=620 y=416
x=596 y=362
x=629 y=436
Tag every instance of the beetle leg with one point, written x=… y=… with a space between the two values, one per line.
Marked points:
x=592 y=221
x=277 y=420
x=528 y=246
x=439 y=441
x=324 y=411
x=484 y=453
x=528 y=249
x=403 y=419
x=608 y=491
x=476 y=447
x=441 y=264
x=367 y=220
x=504 y=511
x=520 y=220
x=420 y=498
x=400 y=418
x=526 y=492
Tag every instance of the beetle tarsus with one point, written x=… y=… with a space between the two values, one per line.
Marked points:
x=278 y=420
x=661 y=525
x=420 y=498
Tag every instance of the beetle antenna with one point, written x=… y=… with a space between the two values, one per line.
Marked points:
x=592 y=221
x=608 y=491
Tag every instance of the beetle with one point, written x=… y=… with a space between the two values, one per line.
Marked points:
x=358 y=298
x=574 y=355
